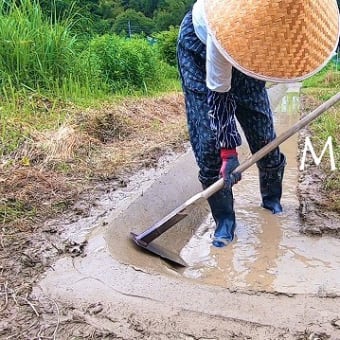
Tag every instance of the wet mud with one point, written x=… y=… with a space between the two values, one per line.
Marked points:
x=270 y=253
x=316 y=219
x=272 y=283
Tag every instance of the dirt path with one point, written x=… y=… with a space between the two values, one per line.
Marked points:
x=64 y=283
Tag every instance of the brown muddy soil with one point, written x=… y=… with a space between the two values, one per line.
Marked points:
x=315 y=202
x=63 y=173
x=157 y=306
x=317 y=219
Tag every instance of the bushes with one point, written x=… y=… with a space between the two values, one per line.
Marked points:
x=124 y=63
x=43 y=55
x=167 y=41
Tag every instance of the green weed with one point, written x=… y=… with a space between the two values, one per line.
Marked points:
x=328 y=77
x=14 y=210
x=321 y=87
x=328 y=124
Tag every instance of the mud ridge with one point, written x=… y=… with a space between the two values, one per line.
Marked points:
x=316 y=219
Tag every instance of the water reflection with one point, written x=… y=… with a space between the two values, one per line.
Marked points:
x=290 y=103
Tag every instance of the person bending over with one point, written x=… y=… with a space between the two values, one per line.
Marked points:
x=226 y=52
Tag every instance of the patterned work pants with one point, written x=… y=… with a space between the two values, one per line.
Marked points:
x=252 y=107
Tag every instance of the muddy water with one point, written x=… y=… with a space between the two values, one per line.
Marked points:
x=143 y=296
x=269 y=253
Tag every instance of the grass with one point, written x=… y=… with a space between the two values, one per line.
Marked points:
x=24 y=113
x=328 y=77
x=60 y=158
x=46 y=70
x=329 y=125
x=34 y=52
x=15 y=210
x=318 y=89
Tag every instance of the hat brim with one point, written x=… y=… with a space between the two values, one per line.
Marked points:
x=301 y=63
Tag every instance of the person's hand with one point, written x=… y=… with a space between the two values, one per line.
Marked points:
x=229 y=163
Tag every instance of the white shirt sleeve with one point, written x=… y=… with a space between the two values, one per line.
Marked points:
x=219 y=70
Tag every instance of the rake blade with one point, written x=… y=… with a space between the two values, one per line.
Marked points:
x=160 y=251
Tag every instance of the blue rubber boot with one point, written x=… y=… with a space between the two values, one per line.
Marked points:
x=222 y=208
x=271 y=186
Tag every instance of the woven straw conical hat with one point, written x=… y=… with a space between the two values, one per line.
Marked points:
x=276 y=40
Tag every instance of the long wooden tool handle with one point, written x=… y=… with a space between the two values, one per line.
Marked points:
x=275 y=143
x=179 y=213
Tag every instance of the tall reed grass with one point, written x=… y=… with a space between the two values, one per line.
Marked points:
x=34 y=52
